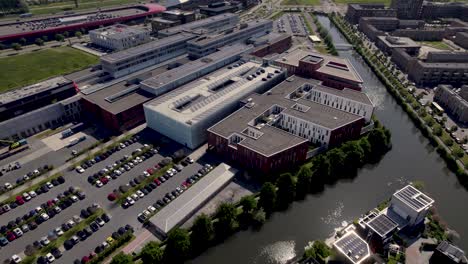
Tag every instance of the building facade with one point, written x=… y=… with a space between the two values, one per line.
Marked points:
x=356 y=11
x=119 y=37
x=407 y=9
x=218 y=8
x=388 y=43
x=461 y=39
x=453 y=103
x=211 y=24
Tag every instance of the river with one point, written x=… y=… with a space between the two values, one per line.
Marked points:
x=412 y=158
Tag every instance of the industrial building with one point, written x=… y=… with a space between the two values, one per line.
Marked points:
x=20 y=101
x=168 y=81
x=211 y=24
x=454 y=101
x=356 y=11
x=332 y=71
x=185 y=113
x=119 y=37
x=272 y=131
x=128 y=61
x=208 y=43
x=182 y=208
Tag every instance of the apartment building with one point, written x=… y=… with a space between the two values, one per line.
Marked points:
x=272 y=131
x=407 y=9
x=185 y=113
x=388 y=43
x=206 y=44
x=454 y=102
x=119 y=37
x=357 y=11
x=128 y=61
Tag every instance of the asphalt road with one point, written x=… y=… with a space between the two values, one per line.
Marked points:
x=119 y=216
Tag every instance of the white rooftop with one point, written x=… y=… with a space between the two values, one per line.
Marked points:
x=194 y=101
x=353 y=247
x=413 y=198
x=118 y=31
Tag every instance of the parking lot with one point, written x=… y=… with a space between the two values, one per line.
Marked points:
x=119 y=216
x=291 y=23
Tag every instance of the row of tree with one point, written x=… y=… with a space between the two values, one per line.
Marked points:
x=323 y=32
x=341 y=162
x=13 y=7
x=40 y=41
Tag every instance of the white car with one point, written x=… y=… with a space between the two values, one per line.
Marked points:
x=50 y=258
x=146 y=174
x=16 y=259
x=74 y=198
x=108 y=177
x=33 y=194
x=152 y=209
x=130 y=201
x=140 y=194
x=100 y=222
x=99 y=183
x=36 y=172
x=79 y=169
x=18 y=232
x=45 y=216
x=49 y=185
x=71 y=223
x=26 y=196
x=45 y=241
x=57 y=210
x=118 y=172
x=8 y=186
x=135 y=197
x=58 y=231
x=26 y=177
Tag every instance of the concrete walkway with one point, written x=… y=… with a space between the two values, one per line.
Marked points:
x=65 y=166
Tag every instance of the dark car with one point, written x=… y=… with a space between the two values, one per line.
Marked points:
x=42 y=260
x=81 y=234
x=144 y=191
x=105 y=218
x=65 y=227
x=32 y=225
x=121 y=230
x=37 y=244
x=88 y=231
x=137 y=181
x=132 y=183
x=55 y=182
x=94 y=226
x=84 y=213
x=161 y=202
x=68 y=244
x=56 y=252
x=129 y=228
x=98 y=249
x=81 y=195
x=153 y=185
x=91 y=179
x=3 y=241
x=61 y=180
x=148 y=188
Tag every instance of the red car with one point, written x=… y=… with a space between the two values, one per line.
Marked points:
x=157 y=167
x=150 y=171
x=10 y=236
x=111 y=197
x=104 y=180
x=19 y=200
x=50 y=203
x=186 y=184
x=157 y=181
x=85 y=259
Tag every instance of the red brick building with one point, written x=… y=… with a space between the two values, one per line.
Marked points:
x=271 y=44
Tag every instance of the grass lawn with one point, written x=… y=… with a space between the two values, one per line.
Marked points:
x=21 y=70
x=300 y=2
x=436 y=44
x=386 y=2
x=57 y=7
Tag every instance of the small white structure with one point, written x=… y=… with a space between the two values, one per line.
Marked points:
x=119 y=37
x=353 y=247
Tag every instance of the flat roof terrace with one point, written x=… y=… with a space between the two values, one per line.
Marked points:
x=413 y=198
x=353 y=247
x=198 y=24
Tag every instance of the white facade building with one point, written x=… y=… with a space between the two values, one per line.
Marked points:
x=411 y=204
x=119 y=37
x=185 y=113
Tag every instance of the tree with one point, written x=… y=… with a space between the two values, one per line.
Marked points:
x=66 y=34
x=16 y=46
x=122 y=258
x=304 y=182
x=59 y=37
x=354 y=155
x=337 y=160
x=378 y=141
x=39 y=42
x=152 y=253
x=202 y=232
x=2 y=46
x=321 y=167
x=286 y=190
x=22 y=41
x=78 y=34
x=177 y=247
x=248 y=203
x=268 y=197
x=45 y=38
x=226 y=215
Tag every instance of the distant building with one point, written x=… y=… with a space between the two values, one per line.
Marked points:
x=208 y=43
x=218 y=8
x=357 y=11
x=331 y=70
x=185 y=113
x=207 y=25
x=23 y=100
x=128 y=61
x=438 y=10
x=454 y=103
x=388 y=43
x=407 y=9
x=461 y=39
x=119 y=37
x=270 y=44
x=448 y=254
x=271 y=131
x=172 y=18
x=159 y=23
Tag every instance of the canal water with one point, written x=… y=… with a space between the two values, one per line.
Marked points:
x=411 y=159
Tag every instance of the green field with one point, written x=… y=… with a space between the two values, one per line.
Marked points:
x=300 y=2
x=386 y=2
x=21 y=70
x=59 y=7
x=436 y=44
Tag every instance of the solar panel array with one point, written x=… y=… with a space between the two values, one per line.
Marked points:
x=382 y=225
x=354 y=247
x=413 y=197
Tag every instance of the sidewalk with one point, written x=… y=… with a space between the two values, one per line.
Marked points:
x=65 y=166
x=134 y=246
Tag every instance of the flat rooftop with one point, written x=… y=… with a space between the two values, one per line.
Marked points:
x=146 y=48
x=413 y=198
x=398 y=42
x=194 y=66
x=17 y=94
x=330 y=65
x=182 y=208
x=382 y=225
x=119 y=31
x=191 y=102
x=271 y=139
x=353 y=247
x=198 y=24
x=347 y=93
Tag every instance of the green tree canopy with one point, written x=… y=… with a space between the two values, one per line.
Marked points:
x=286 y=190
x=177 y=247
x=268 y=197
x=304 y=182
x=321 y=167
x=202 y=232
x=336 y=158
x=122 y=258
x=152 y=253
x=248 y=203
x=227 y=215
